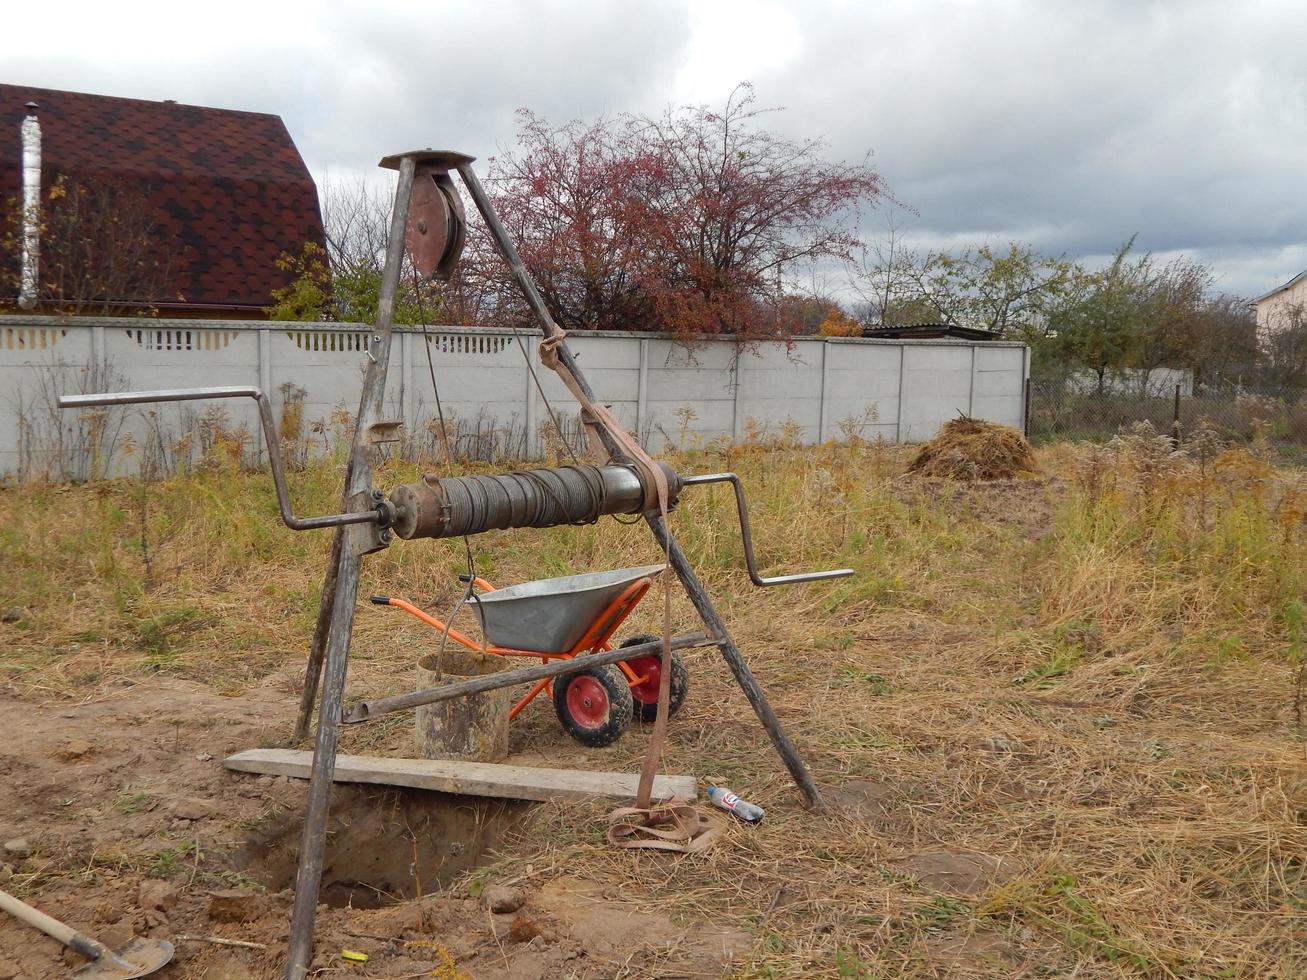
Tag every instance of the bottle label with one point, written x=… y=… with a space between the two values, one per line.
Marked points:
x=730 y=801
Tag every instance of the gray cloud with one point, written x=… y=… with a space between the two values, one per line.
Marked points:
x=1071 y=125
x=1075 y=126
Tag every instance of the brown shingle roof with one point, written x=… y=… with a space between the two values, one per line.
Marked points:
x=229 y=188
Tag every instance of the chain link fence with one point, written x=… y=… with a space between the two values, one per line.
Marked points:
x=1065 y=408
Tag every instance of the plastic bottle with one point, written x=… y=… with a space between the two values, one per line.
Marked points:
x=726 y=800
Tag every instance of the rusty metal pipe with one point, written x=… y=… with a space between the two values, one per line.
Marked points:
x=30 y=134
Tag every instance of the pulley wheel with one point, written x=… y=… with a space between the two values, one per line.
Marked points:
x=434 y=232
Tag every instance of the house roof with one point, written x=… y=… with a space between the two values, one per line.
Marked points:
x=927 y=331
x=1279 y=289
x=229 y=189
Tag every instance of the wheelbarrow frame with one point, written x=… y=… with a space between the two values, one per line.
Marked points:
x=594 y=639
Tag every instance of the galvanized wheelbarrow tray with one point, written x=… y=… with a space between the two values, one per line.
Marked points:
x=552 y=614
x=566 y=617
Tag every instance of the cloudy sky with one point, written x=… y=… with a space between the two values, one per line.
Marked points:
x=1068 y=125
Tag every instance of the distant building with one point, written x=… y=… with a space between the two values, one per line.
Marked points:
x=1281 y=301
x=1158 y=382
x=226 y=192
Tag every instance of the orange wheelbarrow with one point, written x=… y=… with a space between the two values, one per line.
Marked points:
x=562 y=618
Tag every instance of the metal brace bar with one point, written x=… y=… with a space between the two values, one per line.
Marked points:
x=269 y=437
x=368 y=710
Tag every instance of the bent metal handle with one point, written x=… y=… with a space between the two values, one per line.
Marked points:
x=747 y=536
x=269 y=437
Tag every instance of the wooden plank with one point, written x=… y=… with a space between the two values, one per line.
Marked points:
x=471 y=778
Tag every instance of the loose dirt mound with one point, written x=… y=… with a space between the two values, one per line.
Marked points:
x=117 y=816
x=972 y=449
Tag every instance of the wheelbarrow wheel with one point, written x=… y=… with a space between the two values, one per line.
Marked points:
x=644 y=696
x=594 y=705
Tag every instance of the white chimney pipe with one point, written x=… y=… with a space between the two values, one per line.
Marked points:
x=31 y=132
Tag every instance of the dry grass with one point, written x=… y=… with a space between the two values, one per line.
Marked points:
x=1080 y=689
x=973 y=449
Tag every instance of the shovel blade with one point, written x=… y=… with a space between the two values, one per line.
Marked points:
x=138 y=958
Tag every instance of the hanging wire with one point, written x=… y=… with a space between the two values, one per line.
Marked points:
x=470 y=592
x=562 y=436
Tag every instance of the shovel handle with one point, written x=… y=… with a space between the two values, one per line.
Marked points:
x=52 y=927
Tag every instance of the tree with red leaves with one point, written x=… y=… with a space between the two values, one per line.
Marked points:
x=571 y=202
x=737 y=207
x=688 y=222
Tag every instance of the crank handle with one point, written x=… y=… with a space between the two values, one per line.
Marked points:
x=269 y=438
x=747 y=537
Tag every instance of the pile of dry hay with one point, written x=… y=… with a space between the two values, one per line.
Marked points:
x=973 y=449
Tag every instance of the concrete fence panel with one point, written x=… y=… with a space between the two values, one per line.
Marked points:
x=812 y=388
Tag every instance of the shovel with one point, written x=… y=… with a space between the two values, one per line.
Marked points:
x=138 y=958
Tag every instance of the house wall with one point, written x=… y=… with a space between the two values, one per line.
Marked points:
x=1273 y=307
x=818 y=388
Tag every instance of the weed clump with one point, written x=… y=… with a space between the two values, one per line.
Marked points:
x=973 y=449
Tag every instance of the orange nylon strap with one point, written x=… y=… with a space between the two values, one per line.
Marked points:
x=671 y=826
x=601 y=416
x=655 y=475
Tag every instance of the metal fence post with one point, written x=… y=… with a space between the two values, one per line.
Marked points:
x=823 y=411
x=1175 y=421
x=737 y=418
x=971 y=388
x=530 y=442
x=1025 y=409
x=265 y=379
x=642 y=419
x=903 y=369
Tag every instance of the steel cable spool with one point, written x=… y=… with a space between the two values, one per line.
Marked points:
x=547 y=497
x=543 y=498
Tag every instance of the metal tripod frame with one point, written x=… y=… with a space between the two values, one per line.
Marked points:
x=329 y=652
